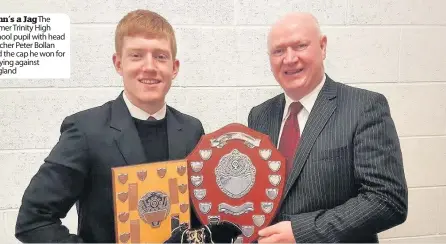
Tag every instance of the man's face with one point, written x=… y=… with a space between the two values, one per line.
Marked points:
x=147 y=68
x=296 y=53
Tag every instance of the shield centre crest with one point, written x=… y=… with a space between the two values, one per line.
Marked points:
x=236 y=174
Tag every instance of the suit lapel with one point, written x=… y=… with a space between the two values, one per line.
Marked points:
x=275 y=119
x=177 y=144
x=322 y=110
x=126 y=135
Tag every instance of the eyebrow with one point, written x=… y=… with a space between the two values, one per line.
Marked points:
x=131 y=50
x=162 y=50
x=293 y=42
x=154 y=50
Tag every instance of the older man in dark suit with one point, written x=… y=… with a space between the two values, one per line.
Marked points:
x=345 y=177
x=137 y=127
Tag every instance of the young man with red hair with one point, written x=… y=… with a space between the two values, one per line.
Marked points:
x=137 y=127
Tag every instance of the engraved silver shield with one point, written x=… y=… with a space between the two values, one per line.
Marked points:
x=205 y=207
x=247 y=230
x=258 y=220
x=267 y=207
x=265 y=153
x=274 y=165
x=199 y=193
x=196 y=166
x=272 y=193
x=235 y=174
x=196 y=180
x=274 y=179
x=205 y=154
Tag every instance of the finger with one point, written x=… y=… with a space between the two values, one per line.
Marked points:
x=270 y=230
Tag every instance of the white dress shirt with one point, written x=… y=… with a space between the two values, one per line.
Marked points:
x=138 y=113
x=307 y=103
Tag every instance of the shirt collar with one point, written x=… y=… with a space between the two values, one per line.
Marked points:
x=308 y=100
x=138 y=113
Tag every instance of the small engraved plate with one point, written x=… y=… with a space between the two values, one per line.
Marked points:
x=181 y=170
x=274 y=179
x=123 y=196
x=206 y=154
x=258 y=220
x=213 y=219
x=235 y=174
x=184 y=207
x=267 y=207
x=274 y=165
x=205 y=207
x=196 y=180
x=199 y=193
x=236 y=210
x=247 y=230
x=123 y=217
x=182 y=188
x=222 y=140
x=124 y=237
x=142 y=175
x=122 y=178
x=161 y=172
x=196 y=166
x=265 y=153
x=272 y=193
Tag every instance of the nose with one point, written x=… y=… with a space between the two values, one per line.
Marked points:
x=149 y=64
x=290 y=56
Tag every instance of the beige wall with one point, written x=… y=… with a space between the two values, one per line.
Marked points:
x=396 y=47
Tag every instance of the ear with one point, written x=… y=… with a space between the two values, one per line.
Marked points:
x=176 y=68
x=117 y=63
x=324 y=46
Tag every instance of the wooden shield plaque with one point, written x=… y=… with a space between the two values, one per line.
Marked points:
x=237 y=175
x=150 y=200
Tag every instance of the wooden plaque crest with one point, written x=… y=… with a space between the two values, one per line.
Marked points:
x=150 y=200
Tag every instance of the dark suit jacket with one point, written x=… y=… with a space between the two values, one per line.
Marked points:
x=348 y=181
x=78 y=169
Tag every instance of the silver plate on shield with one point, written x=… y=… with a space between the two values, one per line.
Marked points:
x=235 y=174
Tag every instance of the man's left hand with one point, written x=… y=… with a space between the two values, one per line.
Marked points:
x=278 y=233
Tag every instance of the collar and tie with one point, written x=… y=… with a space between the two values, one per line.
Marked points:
x=290 y=137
